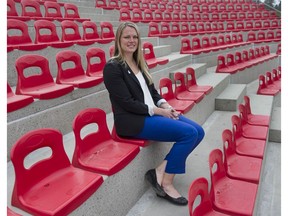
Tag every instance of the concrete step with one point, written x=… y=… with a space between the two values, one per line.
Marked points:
x=230 y=98
x=275 y=125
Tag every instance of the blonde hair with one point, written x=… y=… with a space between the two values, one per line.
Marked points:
x=137 y=55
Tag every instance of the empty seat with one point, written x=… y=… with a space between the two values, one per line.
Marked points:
x=27 y=10
x=149 y=55
x=70 y=71
x=35 y=79
x=46 y=34
x=246 y=146
x=124 y=14
x=263 y=89
x=238 y=166
x=52 y=10
x=96 y=61
x=45 y=187
x=255 y=119
x=136 y=15
x=96 y=151
x=233 y=196
x=18 y=37
x=166 y=91
x=192 y=82
x=107 y=33
x=15 y=102
x=199 y=187
x=12 y=12
x=270 y=82
x=182 y=92
x=70 y=31
x=71 y=12
x=275 y=77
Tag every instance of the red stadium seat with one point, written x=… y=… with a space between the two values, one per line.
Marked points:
x=125 y=14
x=90 y=34
x=199 y=187
x=136 y=15
x=15 y=102
x=149 y=55
x=96 y=151
x=53 y=10
x=44 y=187
x=154 y=30
x=27 y=10
x=239 y=196
x=73 y=73
x=246 y=146
x=275 y=77
x=107 y=32
x=96 y=61
x=263 y=89
x=238 y=166
x=70 y=31
x=37 y=84
x=166 y=91
x=192 y=83
x=71 y=12
x=255 y=119
x=20 y=40
x=181 y=90
x=270 y=83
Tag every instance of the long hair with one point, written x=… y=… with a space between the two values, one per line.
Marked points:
x=137 y=55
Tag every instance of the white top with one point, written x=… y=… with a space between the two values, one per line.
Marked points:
x=147 y=96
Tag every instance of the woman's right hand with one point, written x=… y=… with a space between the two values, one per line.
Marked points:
x=169 y=113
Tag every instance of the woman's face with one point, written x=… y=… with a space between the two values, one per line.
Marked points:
x=129 y=40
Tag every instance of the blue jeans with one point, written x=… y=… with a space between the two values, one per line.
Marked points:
x=185 y=133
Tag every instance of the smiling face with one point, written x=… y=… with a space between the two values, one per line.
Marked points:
x=129 y=41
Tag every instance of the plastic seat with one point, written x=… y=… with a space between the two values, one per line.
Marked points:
x=124 y=14
x=255 y=119
x=18 y=37
x=71 y=12
x=34 y=13
x=206 y=48
x=37 y=84
x=96 y=60
x=73 y=73
x=136 y=15
x=12 y=12
x=199 y=187
x=275 y=77
x=270 y=83
x=107 y=33
x=53 y=10
x=96 y=151
x=153 y=30
x=263 y=89
x=149 y=55
x=148 y=16
x=15 y=102
x=45 y=33
x=192 y=83
x=181 y=90
x=251 y=131
x=166 y=91
x=246 y=146
x=237 y=166
x=235 y=197
x=45 y=188
x=158 y=16
x=70 y=31
x=221 y=65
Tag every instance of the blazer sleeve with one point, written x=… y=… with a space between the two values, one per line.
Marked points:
x=122 y=91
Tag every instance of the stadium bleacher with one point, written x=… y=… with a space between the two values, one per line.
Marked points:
x=227 y=52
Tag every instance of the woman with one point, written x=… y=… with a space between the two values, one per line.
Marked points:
x=140 y=112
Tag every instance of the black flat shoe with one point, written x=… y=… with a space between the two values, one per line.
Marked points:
x=178 y=201
x=151 y=177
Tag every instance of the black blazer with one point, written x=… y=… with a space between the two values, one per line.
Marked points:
x=127 y=98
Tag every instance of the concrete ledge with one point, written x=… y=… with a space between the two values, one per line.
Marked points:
x=275 y=125
x=230 y=98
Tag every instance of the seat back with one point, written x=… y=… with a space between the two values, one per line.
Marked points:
x=229 y=146
x=42 y=27
x=190 y=77
x=71 y=11
x=69 y=65
x=236 y=127
x=205 y=42
x=84 y=142
x=52 y=9
x=238 y=57
x=90 y=30
x=179 y=83
x=217 y=170
x=16 y=39
x=269 y=80
x=26 y=177
x=262 y=83
x=26 y=8
x=230 y=59
x=70 y=31
x=221 y=62
x=196 y=44
x=165 y=28
x=251 y=36
x=199 y=187
x=96 y=61
x=148 y=50
x=137 y=15
x=124 y=14
x=33 y=70
x=213 y=41
x=185 y=45
x=11 y=8
x=107 y=30
x=247 y=104
x=166 y=89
